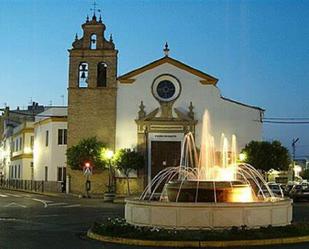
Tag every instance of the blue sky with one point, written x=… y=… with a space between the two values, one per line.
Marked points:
x=258 y=49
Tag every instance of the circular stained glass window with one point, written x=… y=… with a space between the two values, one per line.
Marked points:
x=166 y=89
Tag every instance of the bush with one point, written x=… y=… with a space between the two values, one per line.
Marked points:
x=118 y=227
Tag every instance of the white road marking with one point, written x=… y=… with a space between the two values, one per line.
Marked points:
x=42 y=201
x=13 y=204
x=13 y=195
x=47 y=215
x=57 y=204
x=7 y=219
x=73 y=205
x=3 y=195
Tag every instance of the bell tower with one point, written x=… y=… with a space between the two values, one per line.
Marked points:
x=92 y=86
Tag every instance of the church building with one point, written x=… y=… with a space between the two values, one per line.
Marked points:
x=150 y=108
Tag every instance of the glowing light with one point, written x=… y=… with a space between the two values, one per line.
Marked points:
x=297 y=170
x=87 y=165
x=109 y=154
x=106 y=154
x=27 y=150
x=242 y=157
x=241 y=194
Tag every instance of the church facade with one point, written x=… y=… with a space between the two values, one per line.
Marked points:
x=150 y=108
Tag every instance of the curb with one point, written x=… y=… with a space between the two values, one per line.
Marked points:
x=118 y=200
x=197 y=244
x=39 y=193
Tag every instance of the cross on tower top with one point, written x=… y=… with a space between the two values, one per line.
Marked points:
x=95 y=9
x=166 y=50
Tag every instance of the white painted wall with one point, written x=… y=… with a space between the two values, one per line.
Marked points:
x=23 y=152
x=226 y=116
x=25 y=168
x=5 y=156
x=53 y=155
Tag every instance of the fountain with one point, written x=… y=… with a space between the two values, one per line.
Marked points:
x=208 y=191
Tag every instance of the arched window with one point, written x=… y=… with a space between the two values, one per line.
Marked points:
x=93 y=41
x=83 y=74
x=101 y=76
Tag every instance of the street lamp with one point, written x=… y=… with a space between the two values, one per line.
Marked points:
x=109 y=154
x=242 y=157
x=294 y=150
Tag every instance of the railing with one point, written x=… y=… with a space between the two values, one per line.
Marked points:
x=36 y=186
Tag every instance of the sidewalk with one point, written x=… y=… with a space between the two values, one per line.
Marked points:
x=119 y=199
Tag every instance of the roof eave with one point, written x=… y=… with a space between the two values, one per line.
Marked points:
x=206 y=79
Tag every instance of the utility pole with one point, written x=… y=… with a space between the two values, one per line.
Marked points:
x=295 y=140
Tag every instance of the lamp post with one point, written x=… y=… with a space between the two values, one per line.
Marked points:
x=87 y=173
x=294 y=150
x=109 y=156
x=109 y=196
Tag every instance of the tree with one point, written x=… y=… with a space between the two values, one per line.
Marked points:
x=265 y=155
x=127 y=160
x=87 y=150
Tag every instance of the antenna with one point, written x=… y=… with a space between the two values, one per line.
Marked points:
x=30 y=101
x=62 y=97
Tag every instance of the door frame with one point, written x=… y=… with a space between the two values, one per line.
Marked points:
x=161 y=137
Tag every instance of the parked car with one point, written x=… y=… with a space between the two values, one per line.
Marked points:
x=276 y=189
x=299 y=192
x=287 y=189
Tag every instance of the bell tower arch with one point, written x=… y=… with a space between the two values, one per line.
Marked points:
x=92 y=89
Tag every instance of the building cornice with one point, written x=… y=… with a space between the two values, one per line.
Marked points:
x=22 y=156
x=49 y=120
x=23 y=131
x=239 y=103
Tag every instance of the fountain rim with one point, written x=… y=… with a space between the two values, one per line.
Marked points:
x=269 y=202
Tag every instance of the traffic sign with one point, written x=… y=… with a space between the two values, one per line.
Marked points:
x=87 y=171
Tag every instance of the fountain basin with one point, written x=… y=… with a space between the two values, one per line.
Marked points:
x=204 y=191
x=208 y=215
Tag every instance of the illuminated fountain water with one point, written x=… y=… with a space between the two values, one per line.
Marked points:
x=208 y=190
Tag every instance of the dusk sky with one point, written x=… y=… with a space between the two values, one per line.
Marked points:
x=259 y=50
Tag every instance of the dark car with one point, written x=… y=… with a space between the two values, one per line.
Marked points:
x=287 y=189
x=299 y=192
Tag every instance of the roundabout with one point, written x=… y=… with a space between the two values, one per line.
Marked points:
x=205 y=202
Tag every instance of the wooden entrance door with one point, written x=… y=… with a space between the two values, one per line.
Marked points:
x=164 y=154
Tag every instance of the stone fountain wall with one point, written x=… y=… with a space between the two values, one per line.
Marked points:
x=173 y=215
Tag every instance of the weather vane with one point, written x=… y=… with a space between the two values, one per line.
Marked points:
x=94 y=9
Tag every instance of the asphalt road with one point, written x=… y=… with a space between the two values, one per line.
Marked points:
x=31 y=221
x=36 y=221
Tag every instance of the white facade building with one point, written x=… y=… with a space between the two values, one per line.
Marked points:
x=35 y=149
x=21 y=166
x=5 y=157
x=158 y=103
x=50 y=144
